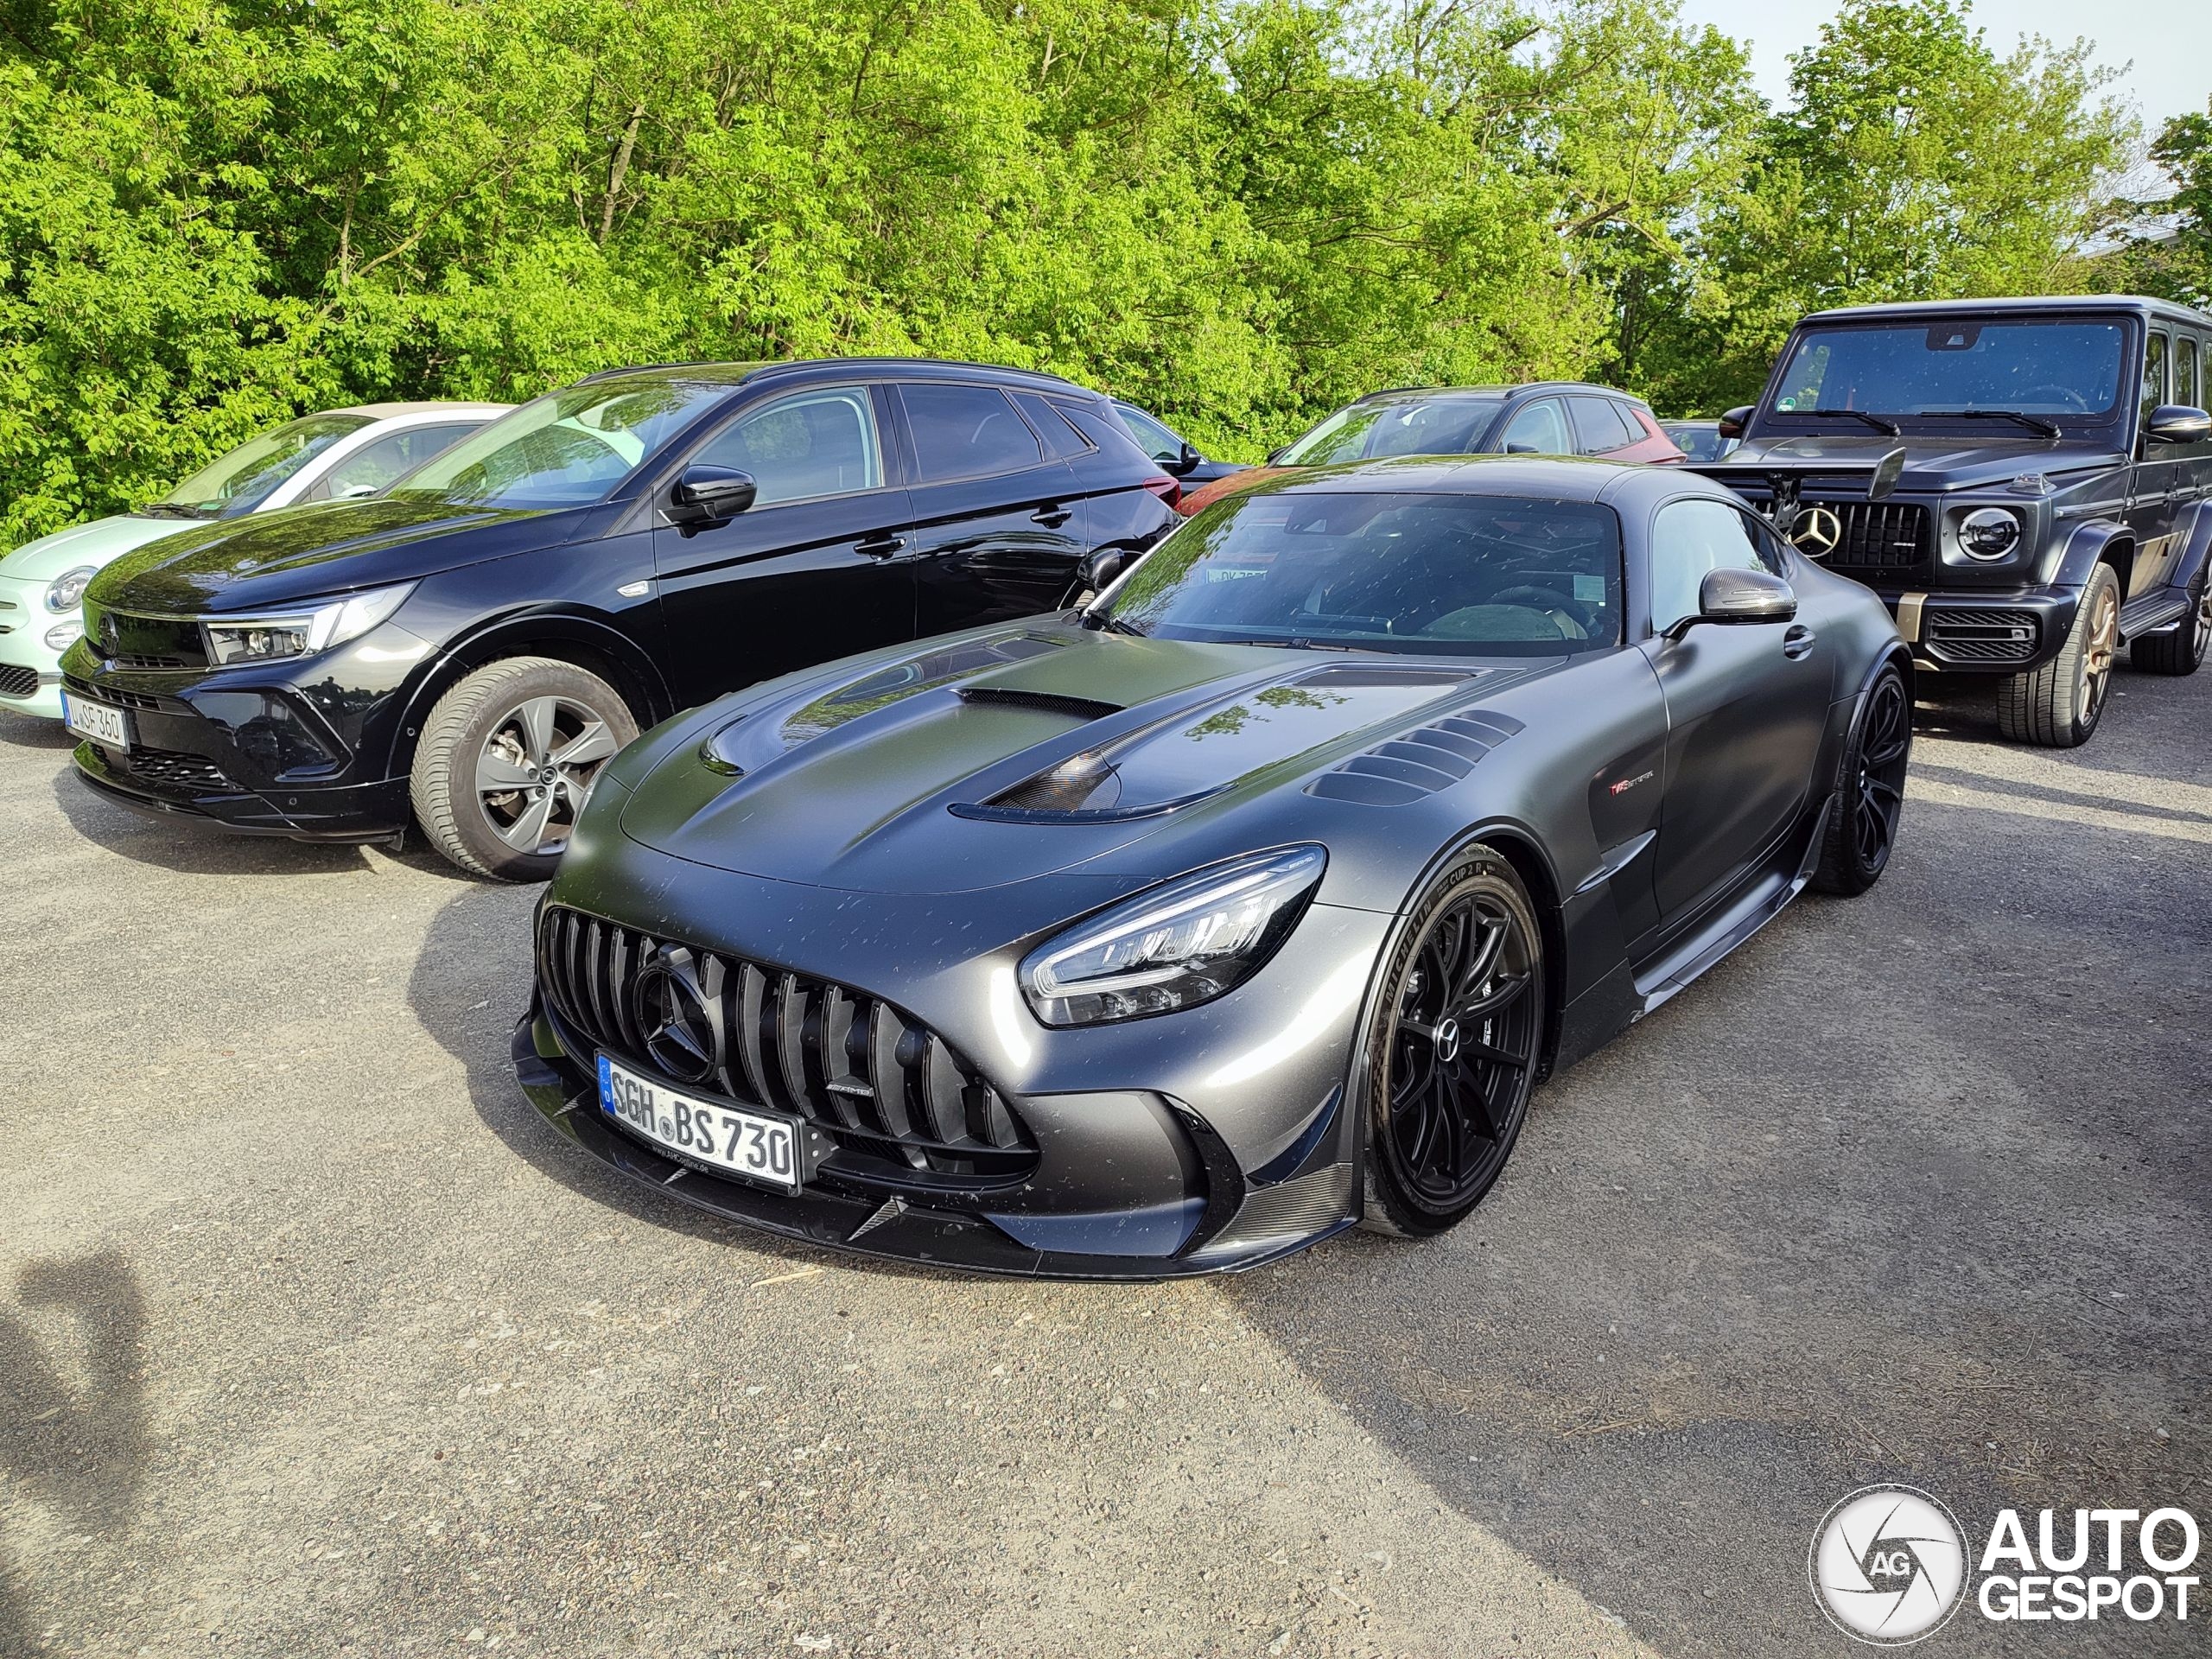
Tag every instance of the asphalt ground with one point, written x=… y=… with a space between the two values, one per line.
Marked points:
x=313 y=1341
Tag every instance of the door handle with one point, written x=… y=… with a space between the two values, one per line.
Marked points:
x=1799 y=642
x=1051 y=517
x=880 y=546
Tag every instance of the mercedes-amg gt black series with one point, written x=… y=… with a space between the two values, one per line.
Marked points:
x=468 y=648
x=1251 y=901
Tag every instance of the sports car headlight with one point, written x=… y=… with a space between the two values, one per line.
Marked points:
x=1989 y=532
x=300 y=633
x=66 y=591
x=1198 y=937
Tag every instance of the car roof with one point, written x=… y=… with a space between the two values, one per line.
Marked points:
x=1409 y=393
x=1559 y=479
x=2026 y=305
x=802 y=369
x=432 y=406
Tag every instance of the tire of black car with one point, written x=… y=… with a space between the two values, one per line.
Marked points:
x=1497 y=1055
x=2181 y=652
x=1862 y=825
x=456 y=812
x=2058 y=705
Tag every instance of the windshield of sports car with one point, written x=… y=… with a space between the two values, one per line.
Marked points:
x=2056 y=369
x=1406 y=573
x=242 y=479
x=1448 y=424
x=565 y=450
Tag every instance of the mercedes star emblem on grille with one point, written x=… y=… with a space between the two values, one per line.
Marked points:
x=679 y=1031
x=1817 y=532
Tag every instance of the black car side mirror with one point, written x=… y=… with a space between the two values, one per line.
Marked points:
x=1732 y=423
x=1183 y=464
x=710 y=495
x=2177 y=423
x=1099 y=569
x=1733 y=597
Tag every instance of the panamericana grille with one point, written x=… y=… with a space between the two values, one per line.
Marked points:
x=1874 y=536
x=1980 y=635
x=17 y=682
x=887 y=1091
x=174 y=769
x=109 y=694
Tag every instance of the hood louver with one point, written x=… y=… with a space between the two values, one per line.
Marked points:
x=1417 y=765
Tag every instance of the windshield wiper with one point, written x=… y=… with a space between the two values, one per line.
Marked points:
x=171 y=510
x=2034 y=422
x=1298 y=644
x=1888 y=429
x=1102 y=621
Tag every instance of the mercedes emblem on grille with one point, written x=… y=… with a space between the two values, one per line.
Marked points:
x=674 y=1014
x=1817 y=533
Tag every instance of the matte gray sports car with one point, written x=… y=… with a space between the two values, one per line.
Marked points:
x=1178 y=932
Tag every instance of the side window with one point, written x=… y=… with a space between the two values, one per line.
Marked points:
x=1598 y=428
x=1155 y=439
x=2185 y=372
x=821 y=442
x=2154 y=372
x=1062 y=441
x=372 y=468
x=966 y=432
x=1539 y=430
x=1692 y=538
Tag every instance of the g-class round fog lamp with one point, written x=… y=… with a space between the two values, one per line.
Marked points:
x=63 y=635
x=1989 y=532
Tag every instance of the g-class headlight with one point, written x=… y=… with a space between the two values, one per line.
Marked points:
x=300 y=633
x=1198 y=937
x=1989 y=532
x=66 y=591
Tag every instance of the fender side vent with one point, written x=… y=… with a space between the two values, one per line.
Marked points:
x=1418 y=763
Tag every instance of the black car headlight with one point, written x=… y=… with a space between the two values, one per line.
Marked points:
x=1198 y=937
x=300 y=633
x=1989 y=532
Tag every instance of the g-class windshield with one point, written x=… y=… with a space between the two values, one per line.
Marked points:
x=2061 y=369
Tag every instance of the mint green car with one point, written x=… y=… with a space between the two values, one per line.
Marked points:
x=326 y=457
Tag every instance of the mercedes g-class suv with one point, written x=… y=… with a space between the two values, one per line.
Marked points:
x=2026 y=482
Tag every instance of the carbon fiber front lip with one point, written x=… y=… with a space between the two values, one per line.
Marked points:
x=890 y=1230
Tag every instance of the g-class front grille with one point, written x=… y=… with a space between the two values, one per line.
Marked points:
x=1980 y=635
x=17 y=682
x=884 y=1088
x=1870 y=538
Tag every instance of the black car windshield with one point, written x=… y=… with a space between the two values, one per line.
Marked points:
x=1451 y=423
x=565 y=450
x=1418 y=573
x=2057 y=368
x=242 y=479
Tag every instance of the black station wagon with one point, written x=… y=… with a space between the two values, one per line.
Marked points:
x=2024 y=482
x=467 y=649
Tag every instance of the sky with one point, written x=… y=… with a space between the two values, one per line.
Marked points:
x=2168 y=41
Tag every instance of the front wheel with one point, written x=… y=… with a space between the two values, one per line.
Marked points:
x=507 y=759
x=2058 y=705
x=1458 y=1039
x=1862 y=825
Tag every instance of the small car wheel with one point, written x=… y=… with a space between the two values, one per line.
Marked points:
x=1457 y=1043
x=2181 y=652
x=1862 y=828
x=2058 y=705
x=507 y=759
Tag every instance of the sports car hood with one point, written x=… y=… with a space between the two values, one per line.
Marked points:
x=82 y=545
x=272 y=558
x=997 y=757
x=1932 y=461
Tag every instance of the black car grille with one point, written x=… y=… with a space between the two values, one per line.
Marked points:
x=887 y=1091
x=109 y=694
x=1874 y=537
x=1980 y=635
x=172 y=769
x=17 y=682
x=129 y=641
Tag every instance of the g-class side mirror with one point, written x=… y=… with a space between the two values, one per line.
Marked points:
x=1732 y=423
x=710 y=495
x=2177 y=423
x=1731 y=598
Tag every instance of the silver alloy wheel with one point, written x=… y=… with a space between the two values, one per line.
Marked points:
x=2203 y=620
x=536 y=768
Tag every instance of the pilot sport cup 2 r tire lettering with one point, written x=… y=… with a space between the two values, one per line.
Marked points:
x=507 y=759
x=2058 y=705
x=1457 y=1041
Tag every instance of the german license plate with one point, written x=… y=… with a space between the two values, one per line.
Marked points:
x=100 y=721
x=753 y=1146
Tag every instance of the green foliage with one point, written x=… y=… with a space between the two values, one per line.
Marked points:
x=2171 y=255
x=217 y=214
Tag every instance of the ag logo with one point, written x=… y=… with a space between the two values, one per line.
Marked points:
x=1888 y=1565
x=1815 y=533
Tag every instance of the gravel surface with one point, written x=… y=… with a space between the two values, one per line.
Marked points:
x=312 y=1340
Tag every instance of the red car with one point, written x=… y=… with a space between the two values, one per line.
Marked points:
x=1548 y=417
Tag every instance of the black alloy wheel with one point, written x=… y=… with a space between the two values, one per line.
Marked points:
x=1862 y=828
x=1459 y=1043
x=2181 y=651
